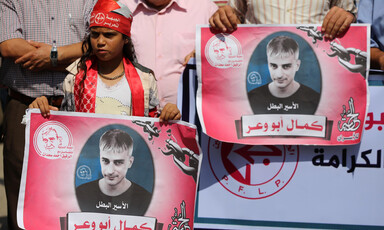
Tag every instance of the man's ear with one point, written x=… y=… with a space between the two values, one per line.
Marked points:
x=131 y=159
x=298 y=62
x=126 y=40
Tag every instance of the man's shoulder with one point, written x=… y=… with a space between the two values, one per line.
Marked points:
x=137 y=189
x=308 y=92
x=259 y=91
x=87 y=187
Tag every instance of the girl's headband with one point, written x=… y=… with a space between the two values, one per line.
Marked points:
x=112 y=15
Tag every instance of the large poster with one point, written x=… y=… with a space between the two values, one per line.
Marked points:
x=292 y=186
x=282 y=85
x=117 y=165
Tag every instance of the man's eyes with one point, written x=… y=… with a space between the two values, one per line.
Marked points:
x=119 y=162
x=105 y=161
x=287 y=66
x=273 y=66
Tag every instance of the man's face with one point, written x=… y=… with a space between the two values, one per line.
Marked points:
x=221 y=51
x=283 y=69
x=114 y=165
x=50 y=140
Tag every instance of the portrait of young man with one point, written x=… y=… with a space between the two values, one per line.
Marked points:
x=283 y=95
x=114 y=193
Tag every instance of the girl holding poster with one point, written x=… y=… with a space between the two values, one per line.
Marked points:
x=107 y=78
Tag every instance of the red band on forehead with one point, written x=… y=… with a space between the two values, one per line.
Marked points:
x=112 y=15
x=112 y=21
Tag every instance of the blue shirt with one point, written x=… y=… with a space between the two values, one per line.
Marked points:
x=371 y=11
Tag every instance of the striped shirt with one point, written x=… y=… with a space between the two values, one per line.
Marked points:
x=62 y=22
x=288 y=11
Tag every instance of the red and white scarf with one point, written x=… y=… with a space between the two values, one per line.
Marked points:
x=85 y=92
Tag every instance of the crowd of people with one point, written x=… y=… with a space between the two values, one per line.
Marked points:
x=57 y=54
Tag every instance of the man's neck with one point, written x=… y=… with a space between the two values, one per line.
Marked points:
x=115 y=190
x=283 y=92
x=157 y=7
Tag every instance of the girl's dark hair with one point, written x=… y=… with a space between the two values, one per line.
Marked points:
x=128 y=52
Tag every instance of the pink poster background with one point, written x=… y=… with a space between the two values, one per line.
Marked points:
x=48 y=185
x=222 y=94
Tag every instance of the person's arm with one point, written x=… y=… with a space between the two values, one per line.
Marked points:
x=170 y=112
x=15 y=48
x=339 y=18
x=42 y=104
x=377 y=59
x=189 y=56
x=39 y=58
x=224 y=19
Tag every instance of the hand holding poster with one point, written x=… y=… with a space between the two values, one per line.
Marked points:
x=282 y=85
x=107 y=164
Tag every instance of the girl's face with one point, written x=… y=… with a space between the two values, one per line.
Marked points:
x=107 y=44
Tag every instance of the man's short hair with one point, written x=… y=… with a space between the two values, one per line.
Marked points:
x=216 y=44
x=282 y=46
x=49 y=130
x=116 y=140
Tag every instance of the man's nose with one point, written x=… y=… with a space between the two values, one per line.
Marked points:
x=110 y=169
x=278 y=73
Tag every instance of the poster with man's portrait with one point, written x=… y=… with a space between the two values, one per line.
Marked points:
x=107 y=164
x=280 y=84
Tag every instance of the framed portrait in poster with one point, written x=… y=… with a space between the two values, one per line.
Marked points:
x=282 y=84
x=107 y=164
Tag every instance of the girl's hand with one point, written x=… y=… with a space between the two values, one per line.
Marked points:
x=42 y=104
x=170 y=112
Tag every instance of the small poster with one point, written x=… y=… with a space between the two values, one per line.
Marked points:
x=115 y=165
x=280 y=84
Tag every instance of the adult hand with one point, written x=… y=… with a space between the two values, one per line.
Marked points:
x=38 y=59
x=42 y=104
x=170 y=112
x=224 y=19
x=377 y=58
x=189 y=56
x=336 y=22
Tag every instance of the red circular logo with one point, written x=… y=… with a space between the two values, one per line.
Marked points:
x=252 y=171
x=99 y=18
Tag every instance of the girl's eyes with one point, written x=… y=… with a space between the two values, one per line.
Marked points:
x=94 y=35
x=106 y=35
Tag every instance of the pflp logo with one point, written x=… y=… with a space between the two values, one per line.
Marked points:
x=224 y=51
x=53 y=140
x=252 y=171
x=99 y=18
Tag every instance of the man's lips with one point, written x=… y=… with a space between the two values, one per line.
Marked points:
x=280 y=80
x=110 y=177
